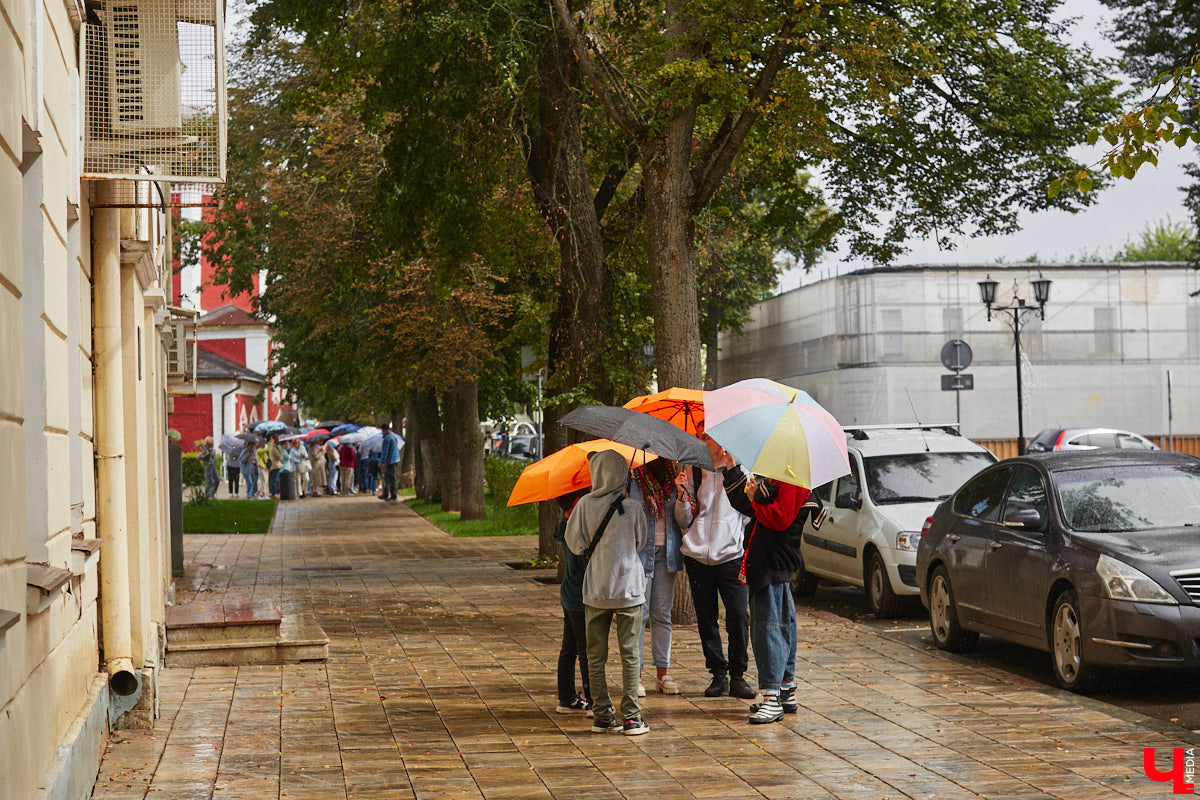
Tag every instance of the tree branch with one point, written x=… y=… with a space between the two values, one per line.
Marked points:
x=634 y=127
x=729 y=138
x=616 y=174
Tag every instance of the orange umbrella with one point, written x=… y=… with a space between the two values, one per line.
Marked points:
x=566 y=470
x=683 y=408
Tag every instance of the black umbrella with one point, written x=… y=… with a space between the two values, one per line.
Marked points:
x=252 y=438
x=642 y=431
x=331 y=424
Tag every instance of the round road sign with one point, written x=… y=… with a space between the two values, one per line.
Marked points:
x=956 y=355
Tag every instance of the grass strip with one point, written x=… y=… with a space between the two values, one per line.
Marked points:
x=501 y=521
x=228 y=516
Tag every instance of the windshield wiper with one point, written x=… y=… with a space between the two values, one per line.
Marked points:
x=907 y=498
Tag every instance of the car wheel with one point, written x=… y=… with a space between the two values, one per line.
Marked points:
x=804 y=583
x=882 y=600
x=1071 y=671
x=948 y=634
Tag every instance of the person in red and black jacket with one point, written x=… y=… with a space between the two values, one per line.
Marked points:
x=777 y=513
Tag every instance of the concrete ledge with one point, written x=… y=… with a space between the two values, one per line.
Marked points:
x=73 y=773
x=299 y=638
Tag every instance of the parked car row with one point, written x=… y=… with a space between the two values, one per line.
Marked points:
x=1089 y=553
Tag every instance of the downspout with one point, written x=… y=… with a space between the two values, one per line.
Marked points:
x=236 y=386
x=111 y=520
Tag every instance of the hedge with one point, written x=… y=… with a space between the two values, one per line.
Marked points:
x=501 y=473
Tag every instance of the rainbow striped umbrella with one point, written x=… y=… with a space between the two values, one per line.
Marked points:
x=777 y=431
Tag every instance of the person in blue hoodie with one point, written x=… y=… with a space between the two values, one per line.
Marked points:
x=611 y=530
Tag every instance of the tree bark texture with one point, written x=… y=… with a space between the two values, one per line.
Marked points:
x=669 y=239
x=710 y=336
x=557 y=166
x=407 y=476
x=426 y=432
x=448 y=465
x=470 y=443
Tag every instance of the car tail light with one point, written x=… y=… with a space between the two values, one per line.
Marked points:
x=926 y=526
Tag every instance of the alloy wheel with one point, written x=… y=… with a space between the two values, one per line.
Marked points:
x=939 y=608
x=1066 y=642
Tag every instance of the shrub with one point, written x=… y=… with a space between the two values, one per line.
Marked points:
x=501 y=473
x=192 y=470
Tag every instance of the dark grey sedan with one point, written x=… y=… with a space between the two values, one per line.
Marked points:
x=1093 y=556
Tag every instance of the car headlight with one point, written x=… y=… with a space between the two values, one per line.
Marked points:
x=1123 y=582
x=908 y=540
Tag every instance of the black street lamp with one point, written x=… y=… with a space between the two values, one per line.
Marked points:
x=1016 y=314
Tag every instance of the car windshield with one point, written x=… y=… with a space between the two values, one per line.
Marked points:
x=919 y=477
x=1134 y=498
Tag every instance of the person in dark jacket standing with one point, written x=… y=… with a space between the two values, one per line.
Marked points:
x=574 y=636
x=777 y=513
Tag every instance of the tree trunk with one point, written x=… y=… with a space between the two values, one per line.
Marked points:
x=470 y=442
x=558 y=172
x=448 y=466
x=425 y=427
x=711 y=336
x=669 y=238
x=408 y=467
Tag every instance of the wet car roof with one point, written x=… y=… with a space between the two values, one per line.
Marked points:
x=1091 y=459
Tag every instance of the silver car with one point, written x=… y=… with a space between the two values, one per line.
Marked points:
x=1053 y=439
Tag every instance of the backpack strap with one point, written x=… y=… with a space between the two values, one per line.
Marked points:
x=616 y=506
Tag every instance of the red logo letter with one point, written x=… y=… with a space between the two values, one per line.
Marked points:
x=1176 y=775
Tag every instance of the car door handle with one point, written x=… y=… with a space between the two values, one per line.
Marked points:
x=994 y=545
x=954 y=537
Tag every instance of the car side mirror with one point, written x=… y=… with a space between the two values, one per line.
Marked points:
x=851 y=499
x=1029 y=519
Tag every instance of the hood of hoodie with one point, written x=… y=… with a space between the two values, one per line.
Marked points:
x=610 y=472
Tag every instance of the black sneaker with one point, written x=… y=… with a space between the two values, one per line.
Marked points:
x=576 y=706
x=606 y=725
x=718 y=687
x=769 y=710
x=636 y=727
x=739 y=688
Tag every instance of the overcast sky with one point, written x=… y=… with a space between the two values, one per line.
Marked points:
x=1120 y=214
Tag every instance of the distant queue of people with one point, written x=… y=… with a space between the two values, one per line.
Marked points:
x=318 y=468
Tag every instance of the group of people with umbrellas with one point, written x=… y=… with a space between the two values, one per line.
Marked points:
x=718 y=484
x=334 y=457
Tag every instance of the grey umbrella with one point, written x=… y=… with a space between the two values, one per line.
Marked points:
x=642 y=431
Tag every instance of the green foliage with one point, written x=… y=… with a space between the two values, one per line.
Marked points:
x=228 y=516
x=197 y=497
x=498 y=522
x=1165 y=240
x=501 y=473
x=192 y=470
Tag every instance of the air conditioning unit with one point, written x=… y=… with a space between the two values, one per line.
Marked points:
x=181 y=351
x=177 y=351
x=155 y=90
x=143 y=70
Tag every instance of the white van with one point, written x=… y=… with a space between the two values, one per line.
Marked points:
x=898 y=475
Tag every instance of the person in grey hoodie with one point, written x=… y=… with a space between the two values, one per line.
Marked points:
x=614 y=586
x=712 y=554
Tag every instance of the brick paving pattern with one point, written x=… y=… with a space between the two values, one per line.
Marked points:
x=440 y=684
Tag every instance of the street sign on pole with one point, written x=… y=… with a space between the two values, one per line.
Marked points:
x=959 y=381
x=956 y=355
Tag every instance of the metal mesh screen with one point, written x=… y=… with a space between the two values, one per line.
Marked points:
x=144 y=194
x=155 y=96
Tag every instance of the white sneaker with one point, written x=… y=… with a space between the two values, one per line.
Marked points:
x=667 y=685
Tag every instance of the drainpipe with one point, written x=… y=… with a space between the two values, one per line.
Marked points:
x=111 y=520
x=236 y=386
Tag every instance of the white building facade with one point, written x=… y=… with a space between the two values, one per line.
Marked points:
x=866 y=345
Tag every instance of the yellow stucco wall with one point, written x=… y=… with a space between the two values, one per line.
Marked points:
x=49 y=660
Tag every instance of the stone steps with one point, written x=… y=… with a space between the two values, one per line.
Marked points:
x=215 y=634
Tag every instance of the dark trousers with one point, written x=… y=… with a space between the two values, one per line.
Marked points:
x=233 y=473
x=574 y=648
x=389 y=481
x=707 y=583
x=273 y=481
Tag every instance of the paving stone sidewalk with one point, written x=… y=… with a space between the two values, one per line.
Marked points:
x=440 y=684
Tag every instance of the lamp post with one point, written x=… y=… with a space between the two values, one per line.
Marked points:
x=1016 y=313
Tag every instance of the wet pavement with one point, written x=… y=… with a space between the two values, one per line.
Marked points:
x=440 y=684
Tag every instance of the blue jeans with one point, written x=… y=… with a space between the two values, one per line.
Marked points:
x=660 y=596
x=773 y=635
x=251 y=476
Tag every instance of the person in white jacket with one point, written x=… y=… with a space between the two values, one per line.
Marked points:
x=712 y=555
x=614 y=586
